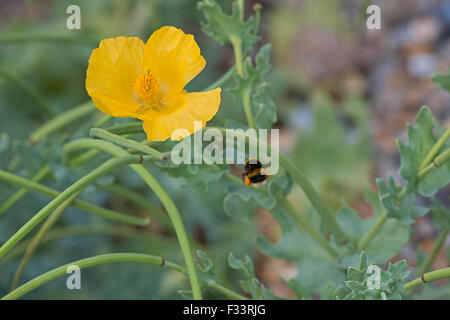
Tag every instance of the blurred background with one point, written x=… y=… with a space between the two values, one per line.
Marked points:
x=344 y=94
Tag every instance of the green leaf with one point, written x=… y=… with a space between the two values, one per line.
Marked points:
x=223 y=27
x=241 y=202
x=263 y=108
x=205 y=266
x=333 y=292
x=316 y=267
x=421 y=140
x=441 y=214
x=390 y=283
x=252 y=285
x=442 y=80
x=390 y=239
x=300 y=290
x=404 y=208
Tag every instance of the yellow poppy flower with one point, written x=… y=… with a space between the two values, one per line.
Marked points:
x=127 y=78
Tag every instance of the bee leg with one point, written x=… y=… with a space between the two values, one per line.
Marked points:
x=243 y=178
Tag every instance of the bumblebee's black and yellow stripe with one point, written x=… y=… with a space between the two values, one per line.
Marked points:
x=254 y=174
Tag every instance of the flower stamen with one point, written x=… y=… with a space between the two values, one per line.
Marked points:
x=146 y=86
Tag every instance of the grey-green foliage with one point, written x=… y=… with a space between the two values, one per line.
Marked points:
x=263 y=108
x=390 y=239
x=251 y=285
x=223 y=27
x=421 y=139
x=365 y=283
x=316 y=267
x=231 y=29
x=442 y=80
x=402 y=208
x=240 y=202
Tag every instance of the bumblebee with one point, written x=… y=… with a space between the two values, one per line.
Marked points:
x=255 y=174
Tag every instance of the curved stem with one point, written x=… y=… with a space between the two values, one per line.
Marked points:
x=365 y=241
x=30 y=90
x=241 y=9
x=102 y=212
x=317 y=202
x=305 y=224
x=435 y=149
x=225 y=291
x=430 y=276
x=434 y=251
x=124 y=142
x=102 y=170
x=23 y=191
x=224 y=78
x=83 y=157
x=61 y=120
x=87 y=263
x=54 y=38
x=169 y=205
x=237 y=48
x=158 y=243
x=126 y=128
x=104 y=259
x=139 y=200
x=246 y=101
x=102 y=121
x=51 y=220
x=438 y=161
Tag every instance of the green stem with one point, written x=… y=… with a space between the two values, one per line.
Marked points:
x=434 y=251
x=169 y=205
x=126 y=128
x=257 y=9
x=305 y=224
x=102 y=121
x=23 y=191
x=51 y=220
x=236 y=42
x=428 y=277
x=241 y=9
x=429 y=157
x=156 y=242
x=53 y=38
x=83 y=157
x=102 y=212
x=225 y=291
x=438 y=161
x=139 y=200
x=30 y=90
x=246 y=93
x=221 y=80
x=127 y=143
x=88 y=179
x=316 y=200
x=246 y=102
x=61 y=120
x=365 y=241
x=104 y=259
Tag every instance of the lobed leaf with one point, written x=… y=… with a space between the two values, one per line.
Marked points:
x=223 y=27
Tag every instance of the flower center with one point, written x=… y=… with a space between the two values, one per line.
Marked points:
x=146 y=86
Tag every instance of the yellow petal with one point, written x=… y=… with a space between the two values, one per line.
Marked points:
x=180 y=113
x=111 y=75
x=174 y=57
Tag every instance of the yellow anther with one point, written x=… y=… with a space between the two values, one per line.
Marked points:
x=146 y=86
